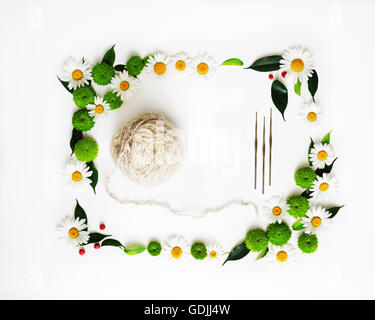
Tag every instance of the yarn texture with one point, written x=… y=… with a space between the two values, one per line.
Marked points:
x=148 y=149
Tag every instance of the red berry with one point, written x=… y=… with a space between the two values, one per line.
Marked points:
x=283 y=74
x=102 y=226
x=96 y=245
x=82 y=251
x=270 y=76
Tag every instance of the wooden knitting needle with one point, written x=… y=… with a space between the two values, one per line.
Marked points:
x=270 y=148
x=256 y=150
x=263 y=151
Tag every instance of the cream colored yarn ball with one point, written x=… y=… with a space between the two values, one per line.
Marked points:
x=148 y=149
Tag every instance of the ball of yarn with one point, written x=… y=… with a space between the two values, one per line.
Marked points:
x=148 y=149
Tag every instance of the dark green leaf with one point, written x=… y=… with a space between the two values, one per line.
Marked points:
x=65 y=85
x=80 y=213
x=232 y=62
x=134 y=250
x=297 y=87
x=76 y=135
x=307 y=194
x=279 y=94
x=262 y=254
x=326 y=169
x=308 y=154
x=333 y=211
x=95 y=175
x=312 y=84
x=298 y=225
x=111 y=242
x=109 y=57
x=96 y=237
x=327 y=138
x=237 y=253
x=120 y=67
x=270 y=63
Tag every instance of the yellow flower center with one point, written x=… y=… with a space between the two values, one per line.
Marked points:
x=276 y=211
x=73 y=233
x=176 y=252
x=322 y=155
x=99 y=108
x=77 y=74
x=180 y=65
x=124 y=85
x=297 y=65
x=160 y=68
x=202 y=68
x=316 y=222
x=76 y=176
x=213 y=254
x=311 y=116
x=324 y=186
x=281 y=256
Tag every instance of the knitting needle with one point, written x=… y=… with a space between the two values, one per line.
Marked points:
x=263 y=151
x=270 y=149
x=256 y=150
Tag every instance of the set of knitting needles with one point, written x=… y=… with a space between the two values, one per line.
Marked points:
x=263 y=150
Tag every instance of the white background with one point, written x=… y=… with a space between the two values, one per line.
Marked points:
x=36 y=36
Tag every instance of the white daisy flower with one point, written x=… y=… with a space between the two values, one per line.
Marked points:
x=176 y=248
x=310 y=113
x=298 y=63
x=204 y=66
x=77 y=173
x=77 y=72
x=285 y=254
x=180 y=64
x=73 y=231
x=99 y=107
x=316 y=220
x=321 y=155
x=124 y=85
x=157 y=65
x=324 y=186
x=215 y=252
x=275 y=209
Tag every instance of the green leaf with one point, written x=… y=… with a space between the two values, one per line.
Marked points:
x=308 y=153
x=76 y=135
x=80 y=213
x=96 y=237
x=298 y=225
x=269 y=63
x=112 y=242
x=109 y=57
x=279 y=94
x=326 y=169
x=134 y=250
x=297 y=87
x=312 y=84
x=65 y=85
x=327 y=138
x=120 y=67
x=262 y=254
x=307 y=194
x=333 y=211
x=237 y=253
x=233 y=62
x=95 y=175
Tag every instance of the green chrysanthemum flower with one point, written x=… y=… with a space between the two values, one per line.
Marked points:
x=82 y=120
x=279 y=233
x=198 y=251
x=102 y=73
x=83 y=96
x=113 y=99
x=86 y=149
x=135 y=65
x=154 y=248
x=305 y=177
x=308 y=243
x=256 y=240
x=298 y=206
